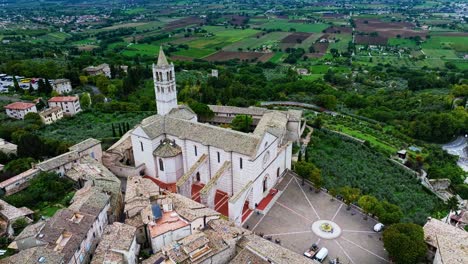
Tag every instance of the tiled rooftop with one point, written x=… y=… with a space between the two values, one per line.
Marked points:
x=451 y=241
x=19 y=106
x=116 y=237
x=10 y=212
x=169 y=221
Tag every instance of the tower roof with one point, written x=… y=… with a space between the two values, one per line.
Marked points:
x=162 y=61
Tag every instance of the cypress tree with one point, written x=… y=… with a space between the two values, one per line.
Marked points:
x=113 y=130
x=31 y=89
x=128 y=126
x=120 y=130
x=306 y=154
x=15 y=84
x=299 y=158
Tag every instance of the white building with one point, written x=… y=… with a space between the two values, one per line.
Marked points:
x=18 y=110
x=70 y=104
x=62 y=86
x=50 y=115
x=102 y=69
x=227 y=170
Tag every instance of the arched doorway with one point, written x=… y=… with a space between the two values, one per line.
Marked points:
x=265 y=184
x=197 y=177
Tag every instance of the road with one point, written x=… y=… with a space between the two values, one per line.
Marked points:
x=299 y=104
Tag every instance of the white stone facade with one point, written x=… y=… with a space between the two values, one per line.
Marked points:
x=18 y=110
x=62 y=86
x=70 y=104
x=164 y=85
x=245 y=165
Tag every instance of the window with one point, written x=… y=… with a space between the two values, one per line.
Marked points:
x=219 y=157
x=161 y=165
x=240 y=163
x=195 y=149
x=141 y=146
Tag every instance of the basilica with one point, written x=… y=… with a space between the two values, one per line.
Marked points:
x=226 y=170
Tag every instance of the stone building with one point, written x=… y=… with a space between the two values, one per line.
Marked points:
x=226 y=170
x=18 y=110
x=51 y=115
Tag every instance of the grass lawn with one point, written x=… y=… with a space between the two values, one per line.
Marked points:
x=457 y=43
x=52 y=37
x=195 y=53
x=271 y=39
x=141 y=49
x=135 y=10
x=49 y=211
x=222 y=38
x=284 y=25
x=312 y=77
x=278 y=57
x=342 y=44
x=440 y=53
x=402 y=42
x=371 y=139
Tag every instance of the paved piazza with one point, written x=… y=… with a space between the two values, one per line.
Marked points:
x=298 y=212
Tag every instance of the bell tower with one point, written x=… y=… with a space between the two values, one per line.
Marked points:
x=164 y=84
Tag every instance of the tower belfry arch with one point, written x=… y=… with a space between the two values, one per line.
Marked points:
x=164 y=84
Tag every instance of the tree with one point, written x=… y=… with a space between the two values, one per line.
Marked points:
x=34 y=118
x=41 y=87
x=242 y=123
x=389 y=213
x=16 y=85
x=350 y=195
x=19 y=225
x=299 y=157
x=404 y=243
x=327 y=101
x=202 y=110
x=368 y=204
x=85 y=100
x=452 y=204
x=48 y=87
x=113 y=131
x=18 y=166
x=316 y=178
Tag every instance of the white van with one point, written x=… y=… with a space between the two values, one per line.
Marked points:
x=379 y=227
x=321 y=255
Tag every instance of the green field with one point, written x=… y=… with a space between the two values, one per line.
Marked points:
x=287 y=26
x=271 y=39
x=457 y=43
x=440 y=53
x=278 y=57
x=195 y=53
x=402 y=42
x=52 y=37
x=221 y=38
x=342 y=44
x=141 y=49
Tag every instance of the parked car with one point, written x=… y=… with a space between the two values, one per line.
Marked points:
x=321 y=255
x=379 y=227
x=310 y=253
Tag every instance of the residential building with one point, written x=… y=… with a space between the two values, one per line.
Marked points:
x=226 y=170
x=7 y=147
x=18 y=182
x=89 y=172
x=61 y=164
x=38 y=254
x=72 y=232
x=223 y=242
x=448 y=243
x=103 y=69
x=9 y=214
x=162 y=217
x=70 y=104
x=18 y=110
x=51 y=115
x=62 y=86
x=117 y=245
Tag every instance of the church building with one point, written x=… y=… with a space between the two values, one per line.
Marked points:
x=228 y=171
